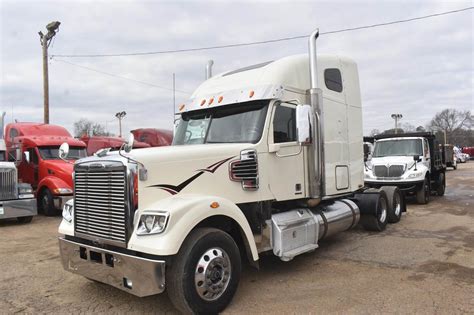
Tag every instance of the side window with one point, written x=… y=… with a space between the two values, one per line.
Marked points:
x=284 y=124
x=13 y=133
x=333 y=79
x=426 y=148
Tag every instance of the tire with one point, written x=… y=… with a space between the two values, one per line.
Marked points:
x=200 y=285
x=24 y=219
x=46 y=203
x=376 y=222
x=423 y=193
x=441 y=185
x=395 y=203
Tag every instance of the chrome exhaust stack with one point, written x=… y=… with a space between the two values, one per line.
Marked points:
x=2 y=125
x=209 y=65
x=316 y=158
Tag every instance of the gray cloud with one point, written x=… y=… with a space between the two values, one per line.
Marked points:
x=415 y=68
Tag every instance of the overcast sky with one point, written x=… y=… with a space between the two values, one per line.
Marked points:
x=416 y=69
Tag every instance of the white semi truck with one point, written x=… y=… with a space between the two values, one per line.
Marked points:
x=267 y=158
x=16 y=199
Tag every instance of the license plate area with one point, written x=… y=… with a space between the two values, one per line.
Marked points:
x=97 y=257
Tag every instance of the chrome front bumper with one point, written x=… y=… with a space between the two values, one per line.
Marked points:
x=136 y=275
x=18 y=208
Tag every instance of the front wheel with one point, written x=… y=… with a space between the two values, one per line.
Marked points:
x=46 y=203
x=423 y=193
x=205 y=275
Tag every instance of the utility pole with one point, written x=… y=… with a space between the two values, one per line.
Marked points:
x=45 y=40
x=396 y=117
x=120 y=116
x=174 y=97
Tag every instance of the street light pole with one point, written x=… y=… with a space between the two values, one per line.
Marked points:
x=45 y=40
x=396 y=117
x=120 y=116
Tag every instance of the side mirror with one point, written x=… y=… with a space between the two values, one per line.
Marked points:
x=416 y=158
x=304 y=120
x=18 y=154
x=128 y=146
x=63 y=151
x=26 y=156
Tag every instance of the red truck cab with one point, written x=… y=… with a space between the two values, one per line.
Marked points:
x=95 y=143
x=35 y=146
x=154 y=137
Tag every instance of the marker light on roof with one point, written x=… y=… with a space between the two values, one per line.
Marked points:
x=220 y=99
x=251 y=94
x=181 y=107
x=211 y=100
x=203 y=102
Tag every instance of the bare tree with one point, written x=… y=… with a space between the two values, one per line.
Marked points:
x=451 y=119
x=86 y=127
x=407 y=127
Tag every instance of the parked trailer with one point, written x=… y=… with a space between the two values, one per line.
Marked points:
x=154 y=137
x=266 y=158
x=34 y=146
x=448 y=155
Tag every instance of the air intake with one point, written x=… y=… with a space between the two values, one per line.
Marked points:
x=245 y=170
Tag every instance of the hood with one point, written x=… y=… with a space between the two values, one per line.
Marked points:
x=60 y=169
x=393 y=160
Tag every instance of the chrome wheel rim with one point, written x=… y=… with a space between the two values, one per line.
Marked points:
x=398 y=205
x=383 y=211
x=212 y=274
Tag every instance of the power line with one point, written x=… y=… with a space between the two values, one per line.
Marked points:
x=119 y=77
x=265 y=41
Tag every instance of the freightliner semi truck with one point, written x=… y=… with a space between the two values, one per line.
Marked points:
x=265 y=159
x=16 y=199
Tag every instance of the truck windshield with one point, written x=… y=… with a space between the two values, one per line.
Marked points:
x=402 y=147
x=52 y=153
x=227 y=124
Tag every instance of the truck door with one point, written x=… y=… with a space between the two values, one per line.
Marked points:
x=426 y=154
x=286 y=156
x=29 y=170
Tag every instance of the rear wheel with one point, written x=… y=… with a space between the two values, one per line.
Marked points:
x=376 y=222
x=423 y=193
x=205 y=275
x=441 y=185
x=46 y=203
x=25 y=219
x=395 y=203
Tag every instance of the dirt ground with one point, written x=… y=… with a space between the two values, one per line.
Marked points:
x=424 y=264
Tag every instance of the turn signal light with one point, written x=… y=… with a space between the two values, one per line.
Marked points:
x=215 y=205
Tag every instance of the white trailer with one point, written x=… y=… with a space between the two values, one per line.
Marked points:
x=267 y=158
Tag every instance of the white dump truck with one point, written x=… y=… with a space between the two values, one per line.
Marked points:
x=267 y=158
x=412 y=161
x=16 y=199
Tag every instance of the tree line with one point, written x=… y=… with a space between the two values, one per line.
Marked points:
x=451 y=124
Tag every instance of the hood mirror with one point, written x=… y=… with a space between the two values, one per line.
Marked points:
x=63 y=151
x=128 y=145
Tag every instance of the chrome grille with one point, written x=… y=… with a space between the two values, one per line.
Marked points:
x=245 y=170
x=100 y=203
x=391 y=171
x=8 y=184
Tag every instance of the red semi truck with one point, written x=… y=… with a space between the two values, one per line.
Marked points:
x=95 y=143
x=35 y=147
x=154 y=137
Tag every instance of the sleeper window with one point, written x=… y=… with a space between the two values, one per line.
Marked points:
x=333 y=79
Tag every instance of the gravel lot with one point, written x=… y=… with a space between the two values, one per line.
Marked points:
x=424 y=264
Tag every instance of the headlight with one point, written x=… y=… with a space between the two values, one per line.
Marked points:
x=152 y=223
x=25 y=191
x=62 y=191
x=416 y=174
x=68 y=210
